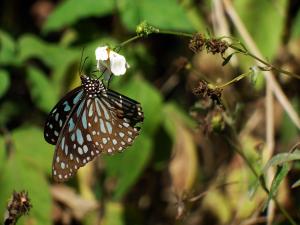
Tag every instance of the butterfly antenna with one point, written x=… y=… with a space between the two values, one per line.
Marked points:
x=85 y=59
x=80 y=64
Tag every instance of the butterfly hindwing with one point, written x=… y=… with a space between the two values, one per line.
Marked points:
x=113 y=126
x=59 y=114
x=130 y=108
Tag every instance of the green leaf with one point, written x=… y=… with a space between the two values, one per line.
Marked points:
x=52 y=55
x=150 y=99
x=7 y=49
x=32 y=148
x=70 y=11
x=114 y=214
x=281 y=173
x=296 y=27
x=9 y=110
x=288 y=130
x=4 y=82
x=3 y=152
x=171 y=111
x=281 y=158
x=167 y=14
x=42 y=92
x=227 y=59
x=127 y=167
x=296 y=184
x=258 y=20
x=19 y=175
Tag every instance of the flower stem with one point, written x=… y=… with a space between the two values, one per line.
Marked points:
x=129 y=40
x=233 y=80
x=175 y=33
x=242 y=51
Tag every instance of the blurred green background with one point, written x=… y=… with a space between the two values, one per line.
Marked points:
x=173 y=160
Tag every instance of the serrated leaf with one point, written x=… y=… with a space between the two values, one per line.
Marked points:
x=281 y=173
x=42 y=92
x=126 y=167
x=167 y=14
x=19 y=175
x=7 y=49
x=4 y=82
x=281 y=158
x=71 y=11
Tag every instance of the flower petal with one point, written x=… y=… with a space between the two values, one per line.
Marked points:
x=118 y=64
x=101 y=53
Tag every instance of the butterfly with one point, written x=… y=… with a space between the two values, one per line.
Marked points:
x=91 y=119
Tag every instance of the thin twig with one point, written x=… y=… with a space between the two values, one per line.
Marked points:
x=269 y=147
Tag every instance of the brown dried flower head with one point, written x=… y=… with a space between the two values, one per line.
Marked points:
x=212 y=45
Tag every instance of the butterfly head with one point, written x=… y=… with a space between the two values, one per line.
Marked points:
x=92 y=86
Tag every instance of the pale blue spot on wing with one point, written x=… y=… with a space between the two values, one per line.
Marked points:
x=67 y=106
x=102 y=127
x=97 y=107
x=91 y=111
x=73 y=137
x=56 y=116
x=80 y=108
x=66 y=149
x=71 y=125
x=109 y=127
x=77 y=98
x=83 y=119
x=104 y=110
x=63 y=142
x=79 y=137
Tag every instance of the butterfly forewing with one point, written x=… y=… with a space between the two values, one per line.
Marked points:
x=75 y=146
x=59 y=114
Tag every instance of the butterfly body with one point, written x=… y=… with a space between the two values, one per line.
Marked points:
x=89 y=120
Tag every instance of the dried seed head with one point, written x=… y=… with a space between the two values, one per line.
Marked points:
x=216 y=46
x=212 y=45
x=197 y=43
x=19 y=205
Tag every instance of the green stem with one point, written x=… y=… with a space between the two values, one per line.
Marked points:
x=175 y=33
x=128 y=41
x=264 y=62
x=233 y=80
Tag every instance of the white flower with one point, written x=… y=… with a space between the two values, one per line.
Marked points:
x=101 y=53
x=110 y=62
